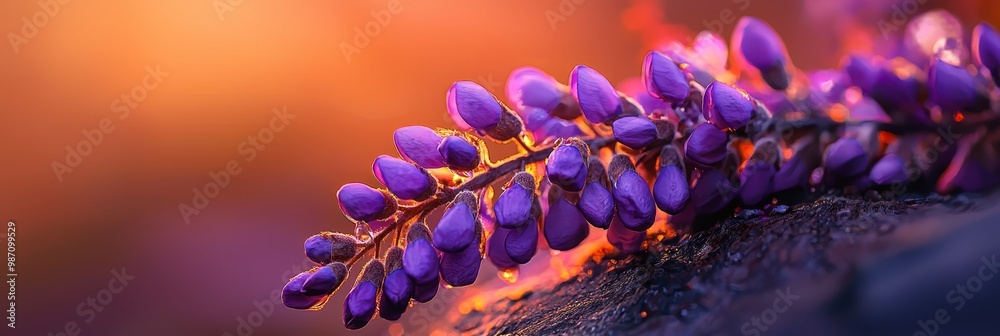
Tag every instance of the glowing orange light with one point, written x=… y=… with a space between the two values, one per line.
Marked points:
x=644 y=314
x=509 y=275
x=959 y=117
x=786 y=153
x=838 y=113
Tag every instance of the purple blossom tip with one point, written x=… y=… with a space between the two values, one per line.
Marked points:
x=756 y=182
x=405 y=180
x=459 y=154
x=328 y=247
x=564 y=226
x=461 y=268
x=293 y=297
x=664 y=79
x=556 y=128
x=624 y=239
x=513 y=207
x=533 y=88
x=861 y=71
x=763 y=49
x=522 y=243
x=727 y=107
x=363 y=203
x=474 y=106
x=706 y=146
x=793 y=173
x=496 y=249
x=325 y=280
x=845 y=160
x=986 y=49
x=566 y=167
x=712 y=192
x=397 y=289
x=597 y=205
x=888 y=170
x=425 y=292
x=599 y=101
x=953 y=88
x=634 y=201
x=634 y=132
x=419 y=144
x=456 y=230
x=359 y=307
x=421 y=261
x=671 y=191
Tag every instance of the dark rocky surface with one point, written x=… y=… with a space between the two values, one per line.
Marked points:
x=833 y=265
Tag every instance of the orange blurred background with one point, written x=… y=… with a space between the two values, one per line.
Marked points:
x=228 y=65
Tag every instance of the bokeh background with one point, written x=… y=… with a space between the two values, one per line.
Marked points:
x=230 y=63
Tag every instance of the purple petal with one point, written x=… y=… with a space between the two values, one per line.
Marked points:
x=513 y=207
x=567 y=168
x=419 y=145
x=564 y=227
x=496 y=249
x=624 y=239
x=456 y=230
x=521 y=244
x=712 y=192
x=671 y=190
x=793 y=173
x=425 y=292
x=597 y=205
x=325 y=280
x=845 y=160
x=727 y=107
x=459 y=154
x=363 y=203
x=474 y=105
x=534 y=118
x=397 y=290
x=756 y=181
x=706 y=147
x=861 y=71
x=293 y=297
x=759 y=44
x=517 y=79
x=951 y=87
x=634 y=201
x=664 y=79
x=986 y=49
x=403 y=179
x=598 y=99
x=421 y=262
x=635 y=88
x=359 y=307
x=634 y=132
x=890 y=169
x=319 y=249
x=556 y=128
x=461 y=268
x=535 y=91
x=867 y=109
x=891 y=90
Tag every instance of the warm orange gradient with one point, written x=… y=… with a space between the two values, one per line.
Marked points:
x=119 y=206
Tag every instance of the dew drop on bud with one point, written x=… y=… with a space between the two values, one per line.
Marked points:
x=509 y=275
x=363 y=232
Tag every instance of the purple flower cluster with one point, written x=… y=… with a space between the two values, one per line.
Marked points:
x=678 y=143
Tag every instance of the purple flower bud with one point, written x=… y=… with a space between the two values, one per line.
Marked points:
x=533 y=89
x=845 y=160
x=556 y=128
x=861 y=71
x=459 y=154
x=867 y=109
x=456 y=230
x=475 y=105
x=534 y=118
x=420 y=259
x=712 y=192
x=327 y=247
x=564 y=226
x=793 y=173
x=425 y=292
x=706 y=146
x=966 y=174
x=325 y=280
x=727 y=107
x=496 y=249
x=756 y=181
x=363 y=203
x=599 y=100
x=514 y=206
x=359 y=307
x=888 y=170
x=597 y=205
x=986 y=49
x=397 y=290
x=624 y=239
x=829 y=84
x=634 y=201
x=293 y=297
x=418 y=144
x=664 y=79
x=522 y=243
x=892 y=91
x=763 y=49
x=634 y=132
x=953 y=88
x=566 y=166
x=671 y=190
x=405 y=180
x=461 y=268
x=635 y=88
